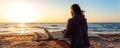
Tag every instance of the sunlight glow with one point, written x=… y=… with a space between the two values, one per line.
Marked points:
x=21 y=13
x=22 y=25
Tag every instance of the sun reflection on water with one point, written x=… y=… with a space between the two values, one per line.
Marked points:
x=22 y=28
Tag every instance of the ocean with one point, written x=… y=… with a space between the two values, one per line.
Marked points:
x=94 y=28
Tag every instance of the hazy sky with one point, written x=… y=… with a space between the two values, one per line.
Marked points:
x=58 y=10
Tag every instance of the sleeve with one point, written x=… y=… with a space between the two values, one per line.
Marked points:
x=69 y=28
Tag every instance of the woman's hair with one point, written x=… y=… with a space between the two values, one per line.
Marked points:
x=76 y=9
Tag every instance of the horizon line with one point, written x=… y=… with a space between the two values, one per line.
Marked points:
x=57 y=22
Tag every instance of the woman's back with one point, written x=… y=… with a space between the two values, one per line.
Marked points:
x=77 y=28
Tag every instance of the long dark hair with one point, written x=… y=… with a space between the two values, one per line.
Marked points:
x=76 y=9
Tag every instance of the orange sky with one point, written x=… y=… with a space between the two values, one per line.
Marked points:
x=57 y=10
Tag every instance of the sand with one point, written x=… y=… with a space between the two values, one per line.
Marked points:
x=24 y=41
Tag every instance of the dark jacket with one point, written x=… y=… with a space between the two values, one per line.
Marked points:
x=76 y=31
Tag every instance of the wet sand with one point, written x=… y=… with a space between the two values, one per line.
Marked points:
x=24 y=41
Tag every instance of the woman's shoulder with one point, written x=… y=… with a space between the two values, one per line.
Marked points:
x=71 y=20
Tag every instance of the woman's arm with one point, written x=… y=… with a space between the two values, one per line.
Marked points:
x=69 y=28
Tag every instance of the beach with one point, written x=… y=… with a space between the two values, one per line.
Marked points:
x=25 y=41
x=101 y=35
x=59 y=23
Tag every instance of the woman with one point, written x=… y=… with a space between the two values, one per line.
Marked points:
x=77 y=28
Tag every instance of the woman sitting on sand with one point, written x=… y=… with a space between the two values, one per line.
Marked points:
x=77 y=28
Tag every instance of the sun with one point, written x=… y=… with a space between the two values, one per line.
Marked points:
x=21 y=13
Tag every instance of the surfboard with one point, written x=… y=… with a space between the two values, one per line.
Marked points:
x=63 y=42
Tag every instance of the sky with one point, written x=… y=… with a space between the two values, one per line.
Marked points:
x=58 y=10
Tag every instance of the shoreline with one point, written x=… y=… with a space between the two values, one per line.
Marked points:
x=59 y=32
